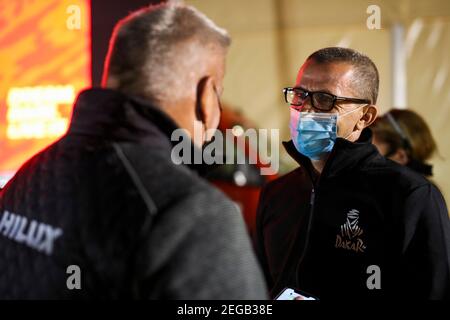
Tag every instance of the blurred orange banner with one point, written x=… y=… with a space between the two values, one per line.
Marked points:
x=45 y=60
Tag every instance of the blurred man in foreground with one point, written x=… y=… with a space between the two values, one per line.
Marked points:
x=107 y=198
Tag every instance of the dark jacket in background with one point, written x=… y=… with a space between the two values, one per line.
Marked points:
x=325 y=235
x=108 y=199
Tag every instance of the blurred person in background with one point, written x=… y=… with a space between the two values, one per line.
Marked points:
x=109 y=199
x=404 y=137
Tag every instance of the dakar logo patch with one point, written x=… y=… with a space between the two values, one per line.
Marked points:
x=349 y=237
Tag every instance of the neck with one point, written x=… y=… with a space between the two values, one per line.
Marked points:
x=319 y=164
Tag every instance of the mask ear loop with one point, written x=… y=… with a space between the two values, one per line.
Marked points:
x=348 y=135
x=348 y=112
x=351 y=111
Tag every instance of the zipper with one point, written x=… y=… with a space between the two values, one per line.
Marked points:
x=308 y=232
x=313 y=198
x=314 y=190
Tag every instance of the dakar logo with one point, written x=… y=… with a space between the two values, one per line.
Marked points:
x=349 y=238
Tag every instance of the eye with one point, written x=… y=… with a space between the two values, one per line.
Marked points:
x=302 y=94
x=294 y=98
x=323 y=99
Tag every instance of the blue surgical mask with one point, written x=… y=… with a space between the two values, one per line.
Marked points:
x=314 y=134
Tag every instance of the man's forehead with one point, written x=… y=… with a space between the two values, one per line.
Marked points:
x=333 y=77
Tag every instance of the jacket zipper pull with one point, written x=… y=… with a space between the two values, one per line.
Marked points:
x=311 y=202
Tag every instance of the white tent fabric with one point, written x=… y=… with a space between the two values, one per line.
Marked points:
x=272 y=38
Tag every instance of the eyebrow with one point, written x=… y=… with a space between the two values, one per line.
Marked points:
x=324 y=91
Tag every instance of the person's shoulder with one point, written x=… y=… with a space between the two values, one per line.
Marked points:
x=285 y=183
x=199 y=209
x=394 y=174
x=163 y=178
x=157 y=165
x=32 y=170
x=206 y=199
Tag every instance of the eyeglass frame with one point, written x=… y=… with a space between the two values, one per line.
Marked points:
x=311 y=93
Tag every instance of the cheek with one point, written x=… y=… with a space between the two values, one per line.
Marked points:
x=294 y=115
x=342 y=126
x=346 y=124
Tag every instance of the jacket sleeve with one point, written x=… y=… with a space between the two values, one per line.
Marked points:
x=200 y=249
x=428 y=252
x=258 y=239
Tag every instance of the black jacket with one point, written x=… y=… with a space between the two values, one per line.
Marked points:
x=327 y=235
x=108 y=199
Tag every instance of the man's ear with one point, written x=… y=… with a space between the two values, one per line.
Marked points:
x=368 y=118
x=208 y=105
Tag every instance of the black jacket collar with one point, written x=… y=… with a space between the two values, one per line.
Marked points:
x=112 y=115
x=421 y=167
x=344 y=157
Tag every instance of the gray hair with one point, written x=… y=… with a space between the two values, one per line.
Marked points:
x=366 y=80
x=153 y=50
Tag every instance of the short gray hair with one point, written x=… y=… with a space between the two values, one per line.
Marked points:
x=151 y=48
x=366 y=80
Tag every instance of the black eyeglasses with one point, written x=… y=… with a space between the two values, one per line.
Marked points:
x=322 y=101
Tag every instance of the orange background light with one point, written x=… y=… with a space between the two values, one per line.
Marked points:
x=45 y=51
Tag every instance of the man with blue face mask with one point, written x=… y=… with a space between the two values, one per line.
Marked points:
x=348 y=223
